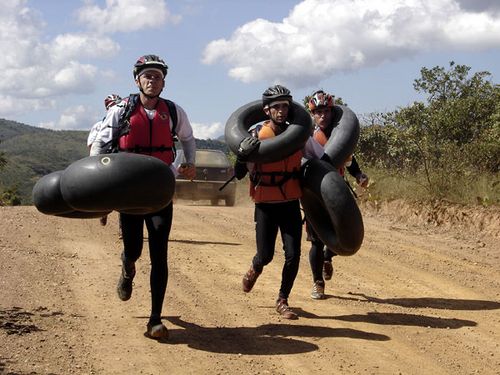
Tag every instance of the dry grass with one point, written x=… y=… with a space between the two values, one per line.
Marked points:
x=470 y=189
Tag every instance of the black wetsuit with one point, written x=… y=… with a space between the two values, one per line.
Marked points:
x=158 y=225
x=285 y=216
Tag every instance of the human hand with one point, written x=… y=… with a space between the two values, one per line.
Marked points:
x=362 y=180
x=240 y=170
x=247 y=146
x=187 y=170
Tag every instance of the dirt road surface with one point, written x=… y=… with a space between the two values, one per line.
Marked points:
x=414 y=300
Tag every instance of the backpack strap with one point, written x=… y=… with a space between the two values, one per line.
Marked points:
x=172 y=110
x=123 y=124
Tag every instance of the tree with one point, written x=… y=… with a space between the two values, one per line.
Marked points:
x=8 y=197
x=461 y=105
x=3 y=160
x=454 y=134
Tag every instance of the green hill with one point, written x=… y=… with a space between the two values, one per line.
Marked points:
x=33 y=152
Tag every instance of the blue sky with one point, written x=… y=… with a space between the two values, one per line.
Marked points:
x=61 y=58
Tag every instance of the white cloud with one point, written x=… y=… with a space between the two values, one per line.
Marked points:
x=12 y=105
x=70 y=46
x=207 y=131
x=126 y=15
x=78 y=117
x=35 y=70
x=321 y=37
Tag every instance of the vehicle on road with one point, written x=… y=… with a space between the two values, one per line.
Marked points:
x=213 y=169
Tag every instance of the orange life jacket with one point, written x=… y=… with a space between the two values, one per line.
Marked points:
x=150 y=137
x=320 y=136
x=277 y=181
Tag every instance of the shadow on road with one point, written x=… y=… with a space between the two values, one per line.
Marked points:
x=269 y=339
x=427 y=302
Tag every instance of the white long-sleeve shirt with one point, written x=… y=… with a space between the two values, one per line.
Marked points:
x=93 y=133
x=110 y=124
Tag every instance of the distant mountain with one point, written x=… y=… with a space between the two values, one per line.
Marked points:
x=33 y=152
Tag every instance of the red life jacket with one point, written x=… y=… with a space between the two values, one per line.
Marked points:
x=277 y=181
x=150 y=137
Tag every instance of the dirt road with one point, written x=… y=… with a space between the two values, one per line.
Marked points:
x=414 y=300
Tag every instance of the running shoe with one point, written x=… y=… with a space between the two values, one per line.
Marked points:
x=318 y=290
x=249 y=279
x=157 y=331
x=284 y=310
x=125 y=282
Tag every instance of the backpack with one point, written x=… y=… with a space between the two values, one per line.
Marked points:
x=124 y=121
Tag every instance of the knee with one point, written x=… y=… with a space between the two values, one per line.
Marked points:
x=292 y=258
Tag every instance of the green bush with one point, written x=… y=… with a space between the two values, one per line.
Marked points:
x=448 y=147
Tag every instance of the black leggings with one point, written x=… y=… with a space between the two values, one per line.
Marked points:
x=285 y=216
x=158 y=225
x=318 y=254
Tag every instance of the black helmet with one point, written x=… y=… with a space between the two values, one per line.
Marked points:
x=149 y=61
x=274 y=93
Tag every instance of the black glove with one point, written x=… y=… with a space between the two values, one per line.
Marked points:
x=247 y=146
x=240 y=170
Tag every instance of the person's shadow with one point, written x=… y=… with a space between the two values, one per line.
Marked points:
x=405 y=319
x=396 y=319
x=426 y=302
x=268 y=339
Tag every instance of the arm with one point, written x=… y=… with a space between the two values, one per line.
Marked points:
x=105 y=132
x=185 y=133
x=354 y=170
x=93 y=133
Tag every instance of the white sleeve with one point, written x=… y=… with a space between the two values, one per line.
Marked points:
x=108 y=125
x=93 y=133
x=184 y=132
x=312 y=149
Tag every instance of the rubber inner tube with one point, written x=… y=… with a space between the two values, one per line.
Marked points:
x=47 y=195
x=96 y=185
x=330 y=208
x=344 y=137
x=83 y=215
x=125 y=182
x=48 y=199
x=273 y=149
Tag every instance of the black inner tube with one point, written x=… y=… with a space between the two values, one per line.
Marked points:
x=273 y=149
x=344 y=137
x=330 y=208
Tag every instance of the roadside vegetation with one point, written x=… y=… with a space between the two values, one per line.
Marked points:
x=446 y=148
x=8 y=196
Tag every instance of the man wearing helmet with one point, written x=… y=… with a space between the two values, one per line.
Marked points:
x=321 y=106
x=275 y=189
x=148 y=130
